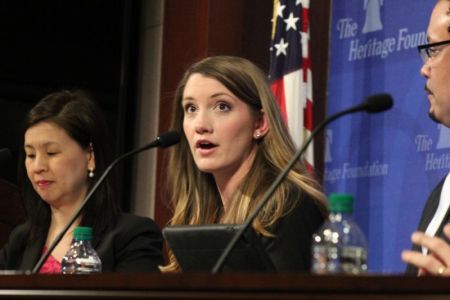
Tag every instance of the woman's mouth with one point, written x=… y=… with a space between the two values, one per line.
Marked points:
x=43 y=183
x=205 y=147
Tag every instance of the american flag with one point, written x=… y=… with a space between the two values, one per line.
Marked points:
x=290 y=69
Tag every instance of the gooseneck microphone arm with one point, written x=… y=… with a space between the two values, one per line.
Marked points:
x=164 y=140
x=375 y=103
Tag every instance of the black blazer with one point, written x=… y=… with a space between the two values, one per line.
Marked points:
x=290 y=249
x=427 y=215
x=133 y=245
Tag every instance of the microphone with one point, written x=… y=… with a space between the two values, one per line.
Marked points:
x=164 y=140
x=372 y=104
x=375 y=103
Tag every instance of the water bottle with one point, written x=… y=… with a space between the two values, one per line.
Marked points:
x=339 y=246
x=81 y=257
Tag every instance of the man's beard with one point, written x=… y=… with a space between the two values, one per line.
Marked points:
x=433 y=117
x=430 y=112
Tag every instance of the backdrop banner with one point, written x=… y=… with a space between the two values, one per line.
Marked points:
x=389 y=161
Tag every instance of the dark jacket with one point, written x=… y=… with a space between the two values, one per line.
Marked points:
x=133 y=245
x=290 y=249
x=427 y=215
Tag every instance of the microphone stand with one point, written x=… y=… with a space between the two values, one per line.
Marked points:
x=172 y=138
x=364 y=106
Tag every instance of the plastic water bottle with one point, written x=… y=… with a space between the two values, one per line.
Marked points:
x=339 y=246
x=81 y=257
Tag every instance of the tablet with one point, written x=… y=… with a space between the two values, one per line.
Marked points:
x=198 y=247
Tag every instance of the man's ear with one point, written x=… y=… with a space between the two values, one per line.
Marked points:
x=261 y=126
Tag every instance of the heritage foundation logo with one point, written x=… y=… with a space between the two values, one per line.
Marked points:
x=373 y=16
x=434 y=159
x=370 y=44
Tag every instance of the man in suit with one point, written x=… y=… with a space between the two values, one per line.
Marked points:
x=431 y=251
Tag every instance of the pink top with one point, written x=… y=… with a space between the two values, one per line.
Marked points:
x=51 y=265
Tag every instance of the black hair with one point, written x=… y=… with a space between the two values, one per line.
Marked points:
x=79 y=116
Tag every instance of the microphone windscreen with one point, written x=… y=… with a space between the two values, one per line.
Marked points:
x=168 y=139
x=378 y=103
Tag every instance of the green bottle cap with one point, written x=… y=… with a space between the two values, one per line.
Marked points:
x=341 y=203
x=82 y=233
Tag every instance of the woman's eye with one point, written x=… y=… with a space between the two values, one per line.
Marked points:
x=30 y=155
x=189 y=108
x=223 y=107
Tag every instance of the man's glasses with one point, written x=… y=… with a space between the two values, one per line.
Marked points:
x=428 y=51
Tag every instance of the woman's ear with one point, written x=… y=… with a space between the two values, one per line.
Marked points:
x=91 y=157
x=261 y=126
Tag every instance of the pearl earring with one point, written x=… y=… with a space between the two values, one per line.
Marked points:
x=258 y=135
x=91 y=173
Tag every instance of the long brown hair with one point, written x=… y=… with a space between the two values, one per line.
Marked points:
x=194 y=194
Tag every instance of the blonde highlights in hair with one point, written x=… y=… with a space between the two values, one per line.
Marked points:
x=194 y=194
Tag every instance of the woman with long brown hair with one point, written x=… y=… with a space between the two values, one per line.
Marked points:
x=234 y=145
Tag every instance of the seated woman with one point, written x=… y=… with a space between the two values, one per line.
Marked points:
x=65 y=149
x=235 y=144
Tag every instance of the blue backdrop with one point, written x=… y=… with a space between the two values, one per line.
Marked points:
x=389 y=161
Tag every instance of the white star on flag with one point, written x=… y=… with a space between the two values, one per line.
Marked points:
x=281 y=47
x=280 y=10
x=291 y=22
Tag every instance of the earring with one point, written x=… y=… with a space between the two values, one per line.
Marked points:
x=258 y=135
x=91 y=173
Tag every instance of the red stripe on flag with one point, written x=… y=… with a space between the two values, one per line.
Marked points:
x=278 y=90
x=306 y=65
x=305 y=19
x=309 y=167
x=308 y=115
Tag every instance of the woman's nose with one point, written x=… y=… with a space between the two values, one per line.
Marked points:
x=40 y=164
x=203 y=123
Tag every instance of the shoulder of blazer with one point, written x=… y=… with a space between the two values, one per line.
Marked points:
x=431 y=205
